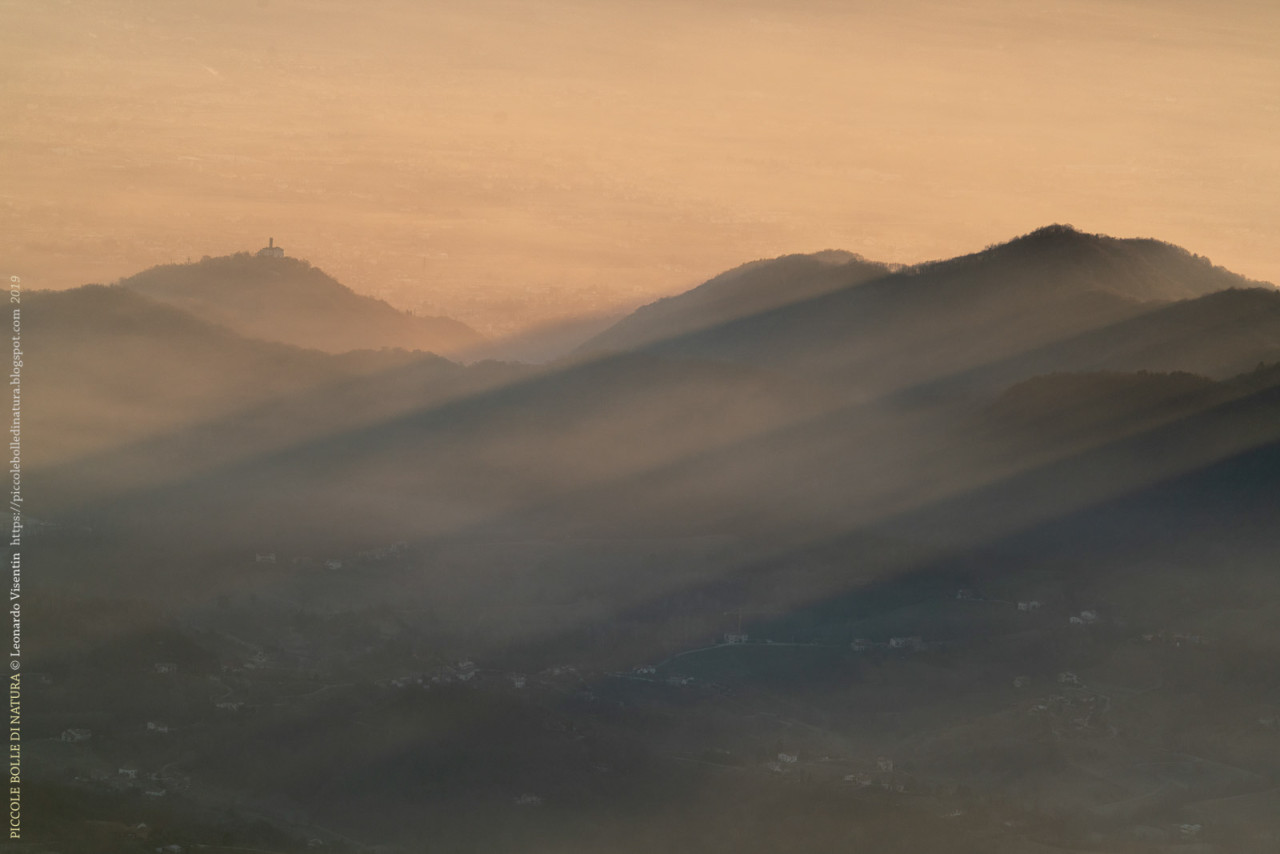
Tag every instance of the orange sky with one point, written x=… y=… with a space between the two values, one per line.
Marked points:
x=506 y=162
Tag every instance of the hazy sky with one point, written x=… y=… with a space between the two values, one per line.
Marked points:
x=505 y=162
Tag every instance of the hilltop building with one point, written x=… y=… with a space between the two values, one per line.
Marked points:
x=271 y=250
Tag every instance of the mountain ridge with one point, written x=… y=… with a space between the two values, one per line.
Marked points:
x=113 y=364
x=749 y=288
x=288 y=300
x=918 y=323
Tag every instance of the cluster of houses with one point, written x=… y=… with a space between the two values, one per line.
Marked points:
x=271 y=559
x=779 y=765
x=906 y=643
x=1174 y=638
x=118 y=831
x=560 y=673
x=881 y=776
x=464 y=671
x=878 y=773
x=967 y=594
x=156 y=784
x=256 y=661
x=1084 y=618
x=1184 y=832
x=1079 y=712
x=1025 y=606
x=378 y=553
x=467 y=672
x=384 y=552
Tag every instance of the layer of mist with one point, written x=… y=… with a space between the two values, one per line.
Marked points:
x=970 y=556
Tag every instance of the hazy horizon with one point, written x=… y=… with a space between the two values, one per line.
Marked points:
x=507 y=163
x=974 y=557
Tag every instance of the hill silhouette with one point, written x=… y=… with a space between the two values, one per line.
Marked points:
x=111 y=366
x=754 y=287
x=922 y=323
x=287 y=300
x=1060 y=256
x=965 y=329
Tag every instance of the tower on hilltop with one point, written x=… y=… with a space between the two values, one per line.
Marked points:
x=271 y=250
